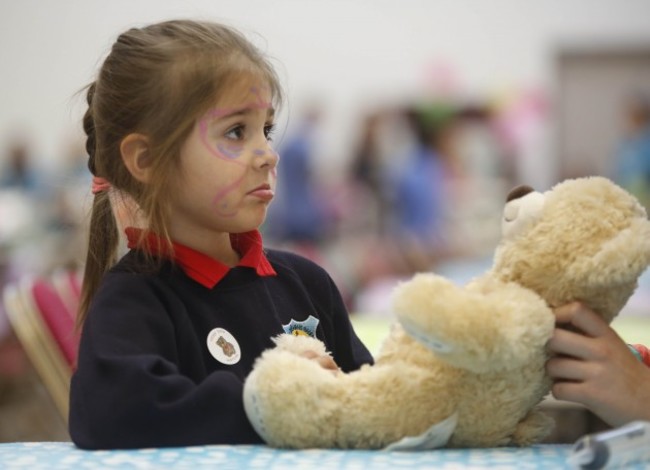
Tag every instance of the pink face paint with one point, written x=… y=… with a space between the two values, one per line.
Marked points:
x=260 y=101
x=230 y=153
x=221 y=206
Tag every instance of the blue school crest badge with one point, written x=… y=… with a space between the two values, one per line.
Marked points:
x=305 y=328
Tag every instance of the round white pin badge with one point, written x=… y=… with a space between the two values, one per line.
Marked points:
x=223 y=346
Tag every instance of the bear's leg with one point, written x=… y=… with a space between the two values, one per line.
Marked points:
x=533 y=428
x=292 y=401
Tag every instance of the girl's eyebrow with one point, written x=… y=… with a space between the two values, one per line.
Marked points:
x=228 y=113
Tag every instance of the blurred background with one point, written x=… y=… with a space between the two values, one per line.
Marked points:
x=406 y=124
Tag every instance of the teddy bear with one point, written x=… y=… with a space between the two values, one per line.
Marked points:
x=463 y=366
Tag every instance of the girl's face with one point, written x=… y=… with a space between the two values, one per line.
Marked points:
x=227 y=177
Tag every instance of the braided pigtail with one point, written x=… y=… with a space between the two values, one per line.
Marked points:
x=103 y=237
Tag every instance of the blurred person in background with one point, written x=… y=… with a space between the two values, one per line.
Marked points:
x=420 y=189
x=477 y=181
x=18 y=169
x=632 y=158
x=67 y=208
x=365 y=251
x=26 y=412
x=369 y=175
x=23 y=191
x=299 y=216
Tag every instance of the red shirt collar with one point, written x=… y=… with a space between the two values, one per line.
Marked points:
x=200 y=267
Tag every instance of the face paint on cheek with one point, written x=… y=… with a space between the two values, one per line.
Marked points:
x=203 y=123
x=230 y=152
x=221 y=204
x=225 y=152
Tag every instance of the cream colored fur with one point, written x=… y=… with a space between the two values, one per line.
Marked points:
x=476 y=350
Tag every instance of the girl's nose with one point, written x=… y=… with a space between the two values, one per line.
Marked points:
x=266 y=157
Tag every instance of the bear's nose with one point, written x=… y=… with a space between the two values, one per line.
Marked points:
x=518 y=192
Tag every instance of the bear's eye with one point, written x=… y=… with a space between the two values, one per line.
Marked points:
x=510 y=212
x=520 y=212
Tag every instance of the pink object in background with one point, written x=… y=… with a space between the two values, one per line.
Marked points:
x=58 y=317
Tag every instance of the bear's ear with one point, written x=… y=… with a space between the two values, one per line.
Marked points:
x=621 y=259
x=518 y=192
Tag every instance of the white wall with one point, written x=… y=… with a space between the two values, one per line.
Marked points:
x=351 y=52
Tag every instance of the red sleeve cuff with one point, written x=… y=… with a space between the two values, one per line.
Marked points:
x=642 y=352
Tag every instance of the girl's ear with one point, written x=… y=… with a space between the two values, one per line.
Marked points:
x=136 y=157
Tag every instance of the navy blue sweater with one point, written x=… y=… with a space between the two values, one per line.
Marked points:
x=145 y=375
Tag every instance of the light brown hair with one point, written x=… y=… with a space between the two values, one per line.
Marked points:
x=156 y=81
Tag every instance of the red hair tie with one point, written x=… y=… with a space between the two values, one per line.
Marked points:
x=100 y=184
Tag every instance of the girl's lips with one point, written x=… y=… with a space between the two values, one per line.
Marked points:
x=264 y=193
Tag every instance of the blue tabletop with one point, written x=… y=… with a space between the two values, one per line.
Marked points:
x=61 y=455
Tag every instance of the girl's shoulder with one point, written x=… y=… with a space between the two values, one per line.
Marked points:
x=131 y=289
x=136 y=265
x=135 y=272
x=305 y=274
x=282 y=260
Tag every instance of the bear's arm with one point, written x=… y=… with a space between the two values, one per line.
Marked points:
x=488 y=325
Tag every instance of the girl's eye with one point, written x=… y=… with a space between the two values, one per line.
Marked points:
x=269 y=130
x=236 y=133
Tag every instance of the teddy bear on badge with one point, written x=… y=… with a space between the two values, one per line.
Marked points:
x=464 y=366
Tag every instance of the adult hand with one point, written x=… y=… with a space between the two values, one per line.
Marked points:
x=595 y=367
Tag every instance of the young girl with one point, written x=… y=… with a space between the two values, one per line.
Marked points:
x=179 y=122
